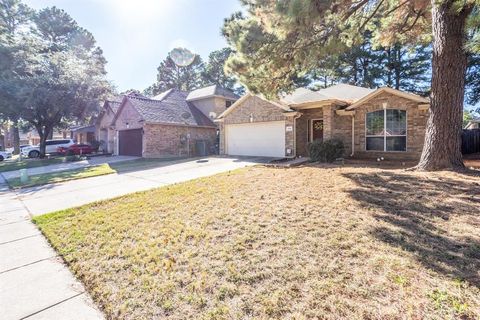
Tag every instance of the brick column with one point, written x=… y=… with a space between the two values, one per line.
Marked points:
x=328 y=113
x=221 y=146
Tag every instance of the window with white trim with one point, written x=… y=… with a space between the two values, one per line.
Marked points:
x=386 y=130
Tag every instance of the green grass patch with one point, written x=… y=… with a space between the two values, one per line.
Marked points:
x=61 y=176
x=28 y=163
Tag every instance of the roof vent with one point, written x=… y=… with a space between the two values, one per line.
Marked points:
x=186 y=115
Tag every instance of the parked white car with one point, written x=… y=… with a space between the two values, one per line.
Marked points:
x=5 y=155
x=50 y=147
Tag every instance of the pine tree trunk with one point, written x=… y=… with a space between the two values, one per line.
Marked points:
x=442 y=148
x=398 y=67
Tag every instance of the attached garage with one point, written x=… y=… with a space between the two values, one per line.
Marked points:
x=130 y=142
x=254 y=126
x=265 y=139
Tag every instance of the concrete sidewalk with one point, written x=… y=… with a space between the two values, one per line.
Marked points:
x=54 y=197
x=68 y=166
x=34 y=282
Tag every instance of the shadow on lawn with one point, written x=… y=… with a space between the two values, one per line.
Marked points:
x=418 y=211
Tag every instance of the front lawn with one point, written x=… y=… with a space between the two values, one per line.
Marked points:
x=16 y=164
x=62 y=176
x=264 y=243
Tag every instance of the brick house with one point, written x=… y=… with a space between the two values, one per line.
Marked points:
x=104 y=130
x=172 y=124
x=371 y=123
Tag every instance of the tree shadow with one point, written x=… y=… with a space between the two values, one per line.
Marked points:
x=417 y=211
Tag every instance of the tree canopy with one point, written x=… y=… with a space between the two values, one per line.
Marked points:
x=53 y=72
x=194 y=74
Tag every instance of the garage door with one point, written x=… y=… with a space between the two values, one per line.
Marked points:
x=265 y=139
x=130 y=142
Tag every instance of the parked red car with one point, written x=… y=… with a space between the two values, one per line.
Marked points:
x=78 y=148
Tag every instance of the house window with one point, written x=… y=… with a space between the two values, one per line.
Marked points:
x=228 y=103
x=386 y=130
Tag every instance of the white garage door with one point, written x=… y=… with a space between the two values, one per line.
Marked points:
x=265 y=139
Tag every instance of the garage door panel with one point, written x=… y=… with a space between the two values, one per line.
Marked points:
x=130 y=142
x=265 y=139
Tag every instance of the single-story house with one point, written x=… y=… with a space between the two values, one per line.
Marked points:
x=381 y=122
x=172 y=124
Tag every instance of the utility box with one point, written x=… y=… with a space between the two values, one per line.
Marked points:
x=201 y=148
x=23 y=176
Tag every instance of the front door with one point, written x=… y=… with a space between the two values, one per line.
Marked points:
x=317 y=129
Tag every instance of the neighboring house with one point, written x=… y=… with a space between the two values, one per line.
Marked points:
x=30 y=137
x=104 y=130
x=473 y=124
x=371 y=123
x=171 y=124
x=83 y=134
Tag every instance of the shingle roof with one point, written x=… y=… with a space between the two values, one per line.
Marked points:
x=162 y=95
x=343 y=92
x=211 y=91
x=346 y=92
x=114 y=105
x=302 y=95
x=173 y=109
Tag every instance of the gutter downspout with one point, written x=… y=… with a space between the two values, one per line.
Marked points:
x=295 y=134
x=353 y=135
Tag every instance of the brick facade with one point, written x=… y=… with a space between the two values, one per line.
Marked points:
x=103 y=131
x=165 y=140
x=128 y=118
x=416 y=126
x=168 y=141
x=215 y=105
x=334 y=126
x=302 y=128
x=254 y=109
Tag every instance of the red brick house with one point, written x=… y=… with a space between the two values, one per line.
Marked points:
x=371 y=123
x=172 y=124
x=104 y=131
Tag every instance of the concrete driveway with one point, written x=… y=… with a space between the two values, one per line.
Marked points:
x=48 y=198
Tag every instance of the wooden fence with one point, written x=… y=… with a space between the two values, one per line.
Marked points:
x=471 y=141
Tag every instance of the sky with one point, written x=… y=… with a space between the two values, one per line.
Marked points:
x=136 y=35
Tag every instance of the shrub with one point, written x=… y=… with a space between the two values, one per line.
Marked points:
x=326 y=151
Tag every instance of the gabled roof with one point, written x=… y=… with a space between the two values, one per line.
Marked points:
x=237 y=103
x=114 y=105
x=303 y=95
x=375 y=93
x=339 y=94
x=162 y=95
x=211 y=91
x=346 y=92
x=173 y=109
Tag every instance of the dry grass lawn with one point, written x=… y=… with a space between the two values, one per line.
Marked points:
x=264 y=243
